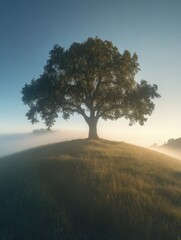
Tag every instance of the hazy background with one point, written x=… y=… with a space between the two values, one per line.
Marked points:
x=29 y=29
x=11 y=143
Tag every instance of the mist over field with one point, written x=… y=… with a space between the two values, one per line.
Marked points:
x=172 y=151
x=12 y=143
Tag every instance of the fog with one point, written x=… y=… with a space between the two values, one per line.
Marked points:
x=172 y=153
x=175 y=153
x=12 y=143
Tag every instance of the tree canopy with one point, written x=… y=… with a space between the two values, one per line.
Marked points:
x=92 y=79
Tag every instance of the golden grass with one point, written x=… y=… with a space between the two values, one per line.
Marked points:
x=85 y=189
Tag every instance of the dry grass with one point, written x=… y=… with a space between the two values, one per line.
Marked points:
x=86 y=189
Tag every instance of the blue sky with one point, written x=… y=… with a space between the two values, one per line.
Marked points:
x=29 y=29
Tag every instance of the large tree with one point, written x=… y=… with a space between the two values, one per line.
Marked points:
x=92 y=79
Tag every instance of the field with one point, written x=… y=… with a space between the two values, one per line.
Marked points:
x=90 y=190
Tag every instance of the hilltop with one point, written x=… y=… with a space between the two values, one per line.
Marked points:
x=85 y=189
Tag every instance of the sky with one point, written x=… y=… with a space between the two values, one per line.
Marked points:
x=151 y=28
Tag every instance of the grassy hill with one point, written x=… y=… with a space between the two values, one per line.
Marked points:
x=90 y=190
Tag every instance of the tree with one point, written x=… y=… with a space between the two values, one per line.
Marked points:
x=91 y=79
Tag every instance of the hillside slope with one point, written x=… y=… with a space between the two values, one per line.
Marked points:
x=86 y=190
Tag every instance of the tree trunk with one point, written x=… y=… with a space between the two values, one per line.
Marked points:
x=93 y=128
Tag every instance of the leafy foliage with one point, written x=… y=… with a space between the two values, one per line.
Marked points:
x=91 y=79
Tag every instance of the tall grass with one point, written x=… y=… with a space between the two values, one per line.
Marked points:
x=88 y=190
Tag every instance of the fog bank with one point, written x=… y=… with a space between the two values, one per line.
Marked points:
x=175 y=153
x=12 y=143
